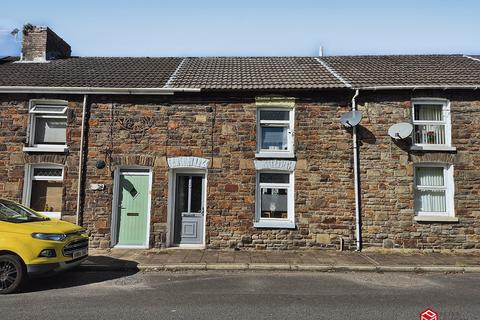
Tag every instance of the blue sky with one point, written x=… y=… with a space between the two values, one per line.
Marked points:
x=250 y=28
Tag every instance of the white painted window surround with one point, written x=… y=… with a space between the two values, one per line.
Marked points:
x=434 y=192
x=43 y=188
x=275 y=132
x=47 y=126
x=432 y=125
x=275 y=207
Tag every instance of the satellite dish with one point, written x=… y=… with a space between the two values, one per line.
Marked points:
x=351 y=119
x=400 y=130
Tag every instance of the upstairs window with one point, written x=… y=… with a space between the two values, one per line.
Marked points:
x=44 y=189
x=275 y=132
x=275 y=200
x=48 y=126
x=434 y=190
x=431 y=121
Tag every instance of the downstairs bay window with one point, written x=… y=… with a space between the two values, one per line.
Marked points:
x=434 y=191
x=274 y=200
x=44 y=189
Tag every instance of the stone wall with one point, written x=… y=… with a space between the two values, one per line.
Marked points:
x=146 y=131
x=13 y=137
x=224 y=132
x=387 y=173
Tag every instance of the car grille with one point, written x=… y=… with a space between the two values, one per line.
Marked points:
x=74 y=246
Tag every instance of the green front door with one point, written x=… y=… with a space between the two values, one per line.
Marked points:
x=133 y=208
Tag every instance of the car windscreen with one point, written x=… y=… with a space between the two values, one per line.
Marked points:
x=13 y=212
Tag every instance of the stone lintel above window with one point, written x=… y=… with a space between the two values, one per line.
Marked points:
x=280 y=165
x=274 y=102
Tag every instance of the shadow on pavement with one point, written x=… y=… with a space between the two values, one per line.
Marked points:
x=94 y=270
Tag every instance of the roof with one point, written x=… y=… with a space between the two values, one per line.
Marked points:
x=91 y=72
x=406 y=70
x=242 y=73
x=237 y=73
x=8 y=59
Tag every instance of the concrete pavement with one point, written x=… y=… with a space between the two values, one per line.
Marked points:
x=307 y=260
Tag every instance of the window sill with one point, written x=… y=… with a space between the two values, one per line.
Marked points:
x=436 y=219
x=59 y=149
x=274 y=224
x=432 y=148
x=267 y=154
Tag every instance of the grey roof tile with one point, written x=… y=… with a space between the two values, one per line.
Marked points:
x=406 y=70
x=248 y=73
x=91 y=72
x=244 y=73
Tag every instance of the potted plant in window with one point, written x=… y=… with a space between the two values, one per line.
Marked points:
x=431 y=137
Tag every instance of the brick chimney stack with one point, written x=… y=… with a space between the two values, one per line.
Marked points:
x=41 y=44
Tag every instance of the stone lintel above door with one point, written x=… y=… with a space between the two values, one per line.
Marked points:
x=188 y=162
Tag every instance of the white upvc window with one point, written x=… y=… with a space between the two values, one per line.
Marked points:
x=47 y=126
x=43 y=188
x=275 y=132
x=434 y=190
x=275 y=200
x=431 y=122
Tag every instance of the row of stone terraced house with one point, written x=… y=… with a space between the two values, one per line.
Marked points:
x=244 y=152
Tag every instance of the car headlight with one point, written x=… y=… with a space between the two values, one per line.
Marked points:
x=49 y=236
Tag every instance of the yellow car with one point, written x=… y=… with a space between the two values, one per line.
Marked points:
x=32 y=244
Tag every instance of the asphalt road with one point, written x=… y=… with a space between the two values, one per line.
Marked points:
x=245 y=295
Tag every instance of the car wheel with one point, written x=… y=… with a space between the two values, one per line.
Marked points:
x=12 y=274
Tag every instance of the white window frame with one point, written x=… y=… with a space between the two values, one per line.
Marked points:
x=36 y=112
x=290 y=124
x=449 y=188
x=28 y=183
x=289 y=222
x=446 y=122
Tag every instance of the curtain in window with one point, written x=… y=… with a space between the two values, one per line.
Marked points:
x=429 y=133
x=428 y=112
x=430 y=176
x=274 y=203
x=430 y=200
